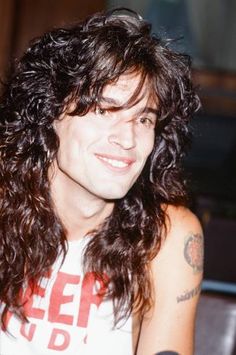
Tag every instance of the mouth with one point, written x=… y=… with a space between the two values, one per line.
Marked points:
x=115 y=162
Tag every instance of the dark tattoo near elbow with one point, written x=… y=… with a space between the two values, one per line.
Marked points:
x=193 y=251
x=187 y=295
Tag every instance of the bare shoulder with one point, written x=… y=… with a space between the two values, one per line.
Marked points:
x=181 y=219
x=183 y=231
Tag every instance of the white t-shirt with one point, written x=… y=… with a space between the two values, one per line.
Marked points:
x=67 y=316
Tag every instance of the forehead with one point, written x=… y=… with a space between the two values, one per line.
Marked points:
x=130 y=86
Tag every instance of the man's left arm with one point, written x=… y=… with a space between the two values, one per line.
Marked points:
x=177 y=274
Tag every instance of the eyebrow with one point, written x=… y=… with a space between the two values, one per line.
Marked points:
x=118 y=104
x=149 y=110
x=111 y=101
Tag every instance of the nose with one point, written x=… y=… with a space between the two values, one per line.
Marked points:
x=123 y=135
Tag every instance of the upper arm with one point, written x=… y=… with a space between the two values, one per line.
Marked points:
x=176 y=278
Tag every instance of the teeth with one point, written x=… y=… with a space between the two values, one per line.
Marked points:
x=115 y=163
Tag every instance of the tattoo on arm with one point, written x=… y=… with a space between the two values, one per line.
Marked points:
x=193 y=251
x=187 y=295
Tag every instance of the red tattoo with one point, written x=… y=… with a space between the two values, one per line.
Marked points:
x=193 y=251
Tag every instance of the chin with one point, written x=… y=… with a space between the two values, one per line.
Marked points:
x=113 y=195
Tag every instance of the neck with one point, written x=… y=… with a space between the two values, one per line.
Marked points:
x=79 y=210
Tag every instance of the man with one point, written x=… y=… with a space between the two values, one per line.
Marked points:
x=98 y=253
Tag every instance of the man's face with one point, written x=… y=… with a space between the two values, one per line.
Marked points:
x=103 y=153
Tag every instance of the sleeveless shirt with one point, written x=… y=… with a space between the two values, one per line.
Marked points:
x=67 y=315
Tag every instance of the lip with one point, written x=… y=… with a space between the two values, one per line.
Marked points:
x=126 y=160
x=115 y=157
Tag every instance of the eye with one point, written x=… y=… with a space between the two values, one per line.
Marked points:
x=146 y=121
x=101 y=111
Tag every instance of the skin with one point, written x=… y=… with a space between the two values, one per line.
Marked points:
x=101 y=155
x=177 y=276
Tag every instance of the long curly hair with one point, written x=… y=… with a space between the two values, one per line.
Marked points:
x=74 y=64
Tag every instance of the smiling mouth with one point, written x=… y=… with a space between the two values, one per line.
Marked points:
x=119 y=163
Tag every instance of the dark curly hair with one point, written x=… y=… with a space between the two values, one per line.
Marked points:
x=74 y=64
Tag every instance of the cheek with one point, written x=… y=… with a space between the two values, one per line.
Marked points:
x=147 y=145
x=72 y=139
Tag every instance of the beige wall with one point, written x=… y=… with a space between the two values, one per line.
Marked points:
x=25 y=19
